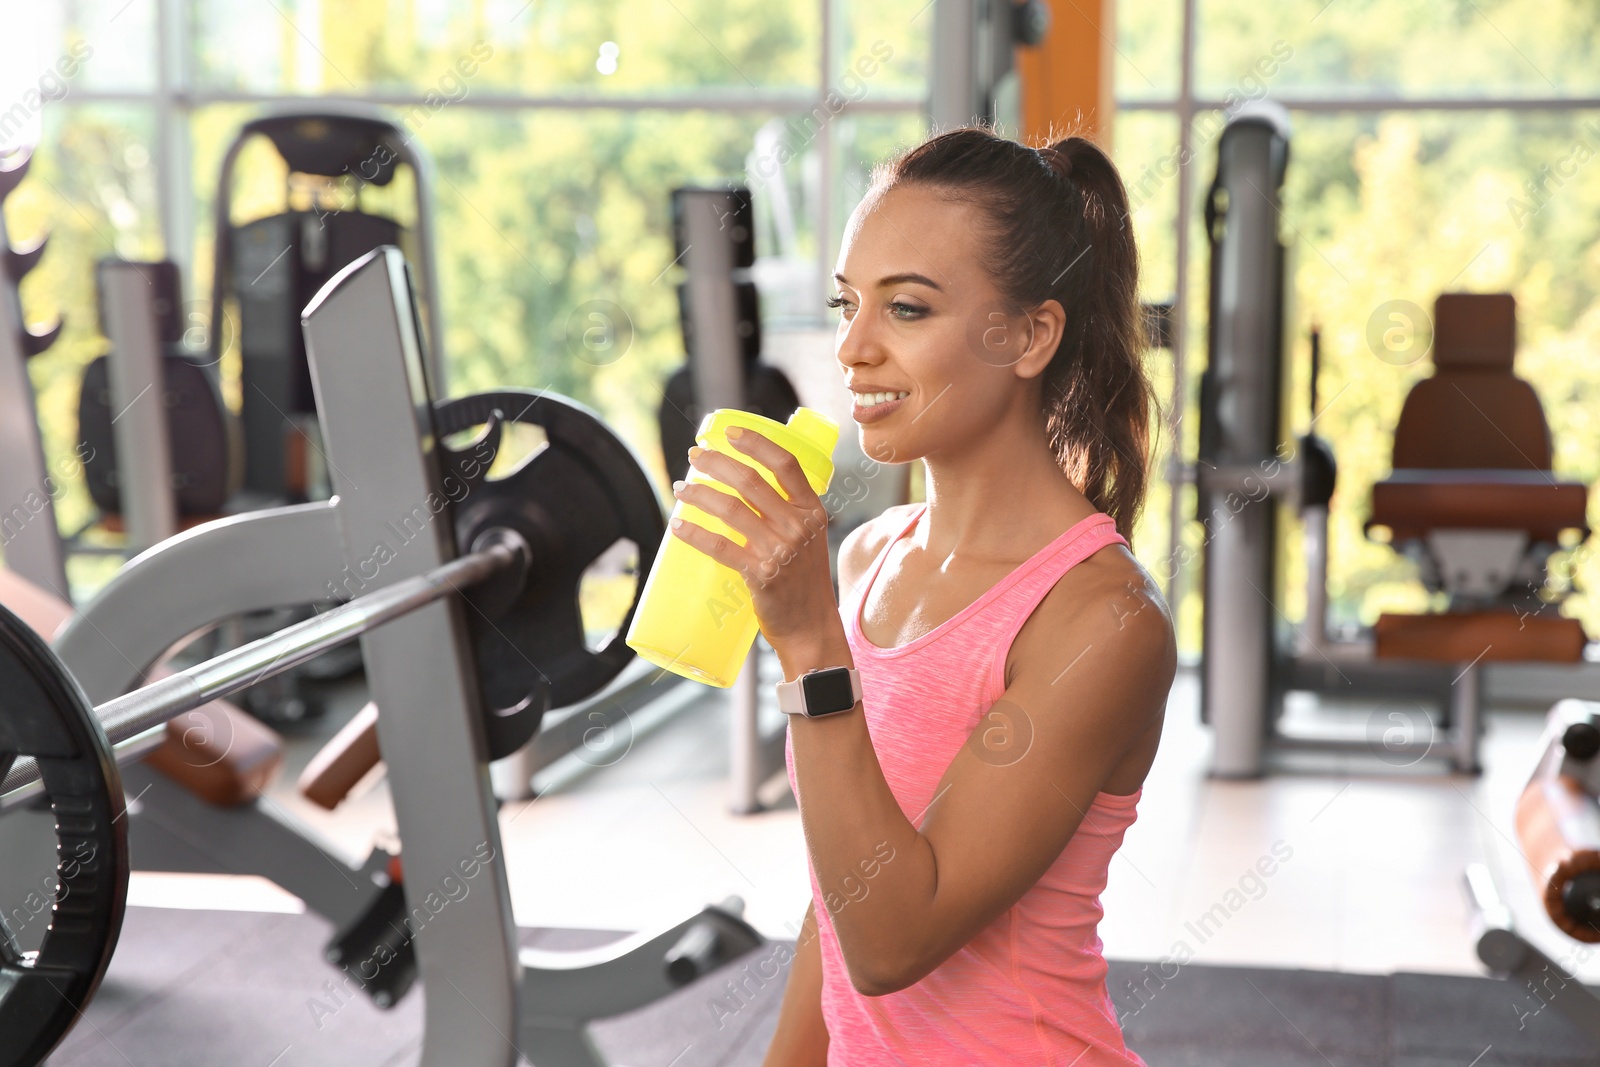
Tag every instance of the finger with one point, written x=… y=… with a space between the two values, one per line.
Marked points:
x=741 y=477
x=722 y=549
x=777 y=459
x=725 y=506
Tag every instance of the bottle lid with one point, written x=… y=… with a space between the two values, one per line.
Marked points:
x=815 y=427
x=810 y=437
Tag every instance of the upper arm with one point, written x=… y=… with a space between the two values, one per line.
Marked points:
x=1091 y=678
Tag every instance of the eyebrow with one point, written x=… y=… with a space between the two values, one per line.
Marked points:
x=899 y=279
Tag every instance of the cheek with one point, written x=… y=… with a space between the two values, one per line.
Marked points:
x=956 y=394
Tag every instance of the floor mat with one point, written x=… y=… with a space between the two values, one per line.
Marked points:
x=207 y=988
x=1202 y=1016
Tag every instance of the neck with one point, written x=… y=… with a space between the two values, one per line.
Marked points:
x=998 y=498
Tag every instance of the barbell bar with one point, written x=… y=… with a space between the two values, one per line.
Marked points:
x=131 y=715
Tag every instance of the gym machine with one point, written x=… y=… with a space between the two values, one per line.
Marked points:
x=719 y=311
x=150 y=474
x=1464 y=517
x=1558 y=834
x=270 y=267
x=460 y=681
x=265 y=271
x=160 y=447
x=974 y=59
x=28 y=534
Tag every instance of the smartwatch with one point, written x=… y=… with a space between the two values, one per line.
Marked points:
x=828 y=691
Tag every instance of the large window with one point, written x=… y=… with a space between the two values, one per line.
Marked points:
x=557 y=129
x=1436 y=147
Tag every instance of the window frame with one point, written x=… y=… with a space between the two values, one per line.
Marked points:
x=1180 y=469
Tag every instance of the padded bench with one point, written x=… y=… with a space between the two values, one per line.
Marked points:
x=1412 y=503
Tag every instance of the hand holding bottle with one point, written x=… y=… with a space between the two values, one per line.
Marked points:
x=748 y=546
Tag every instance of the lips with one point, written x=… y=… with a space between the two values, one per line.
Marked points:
x=872 y=406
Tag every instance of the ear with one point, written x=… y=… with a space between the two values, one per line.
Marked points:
x=1047 y=322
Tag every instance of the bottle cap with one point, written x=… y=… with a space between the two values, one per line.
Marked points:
x=810 y=437
x=815 y=427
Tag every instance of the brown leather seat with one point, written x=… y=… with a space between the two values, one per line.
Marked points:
x=1472 y=453
x=1474 y=413
x=1411 y=502
x=217 y=752
x=1472 y=448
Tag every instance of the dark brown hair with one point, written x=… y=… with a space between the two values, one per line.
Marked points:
x=1059 y=228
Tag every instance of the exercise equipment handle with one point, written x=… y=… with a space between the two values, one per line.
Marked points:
x=698 y=951
x=130 y=715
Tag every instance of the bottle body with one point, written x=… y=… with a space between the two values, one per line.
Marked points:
x=695 y=616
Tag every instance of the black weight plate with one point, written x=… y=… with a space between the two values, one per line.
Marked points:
x=570 y=502
x=197 y=426
x=44 y=714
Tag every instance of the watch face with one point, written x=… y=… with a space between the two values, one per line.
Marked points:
x=828 y=691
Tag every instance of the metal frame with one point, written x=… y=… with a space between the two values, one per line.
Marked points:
x=1245 y=669
x=375 y=402
x=718 y=370
x=32 y=546
x=367 y=367
x=136 y=366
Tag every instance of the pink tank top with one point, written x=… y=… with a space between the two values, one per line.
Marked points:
x=1030 y=988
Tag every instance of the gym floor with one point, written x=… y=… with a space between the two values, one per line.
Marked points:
x=1366 y=876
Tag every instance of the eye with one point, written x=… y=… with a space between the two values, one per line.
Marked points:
x=905 y=311
x=837 y=302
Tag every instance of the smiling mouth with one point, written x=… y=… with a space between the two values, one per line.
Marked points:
x=872 y=400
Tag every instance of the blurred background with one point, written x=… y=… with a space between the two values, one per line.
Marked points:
x=553 y=158
x=564 y=153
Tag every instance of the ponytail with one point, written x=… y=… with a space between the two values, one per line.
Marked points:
x=1061 y=230
x=1097 y=399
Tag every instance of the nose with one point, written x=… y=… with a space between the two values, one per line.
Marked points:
x=856 y=344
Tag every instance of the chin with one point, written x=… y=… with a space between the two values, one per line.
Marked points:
x=879 y=446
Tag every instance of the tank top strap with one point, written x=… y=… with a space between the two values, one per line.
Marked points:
x=1016 y=595
x=850 y=599
x=1001 y=611
x=1016 y=599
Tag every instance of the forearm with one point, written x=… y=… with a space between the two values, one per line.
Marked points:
x=801 y=1038
x=875 y=870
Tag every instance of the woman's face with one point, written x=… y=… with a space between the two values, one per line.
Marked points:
x=921 y=321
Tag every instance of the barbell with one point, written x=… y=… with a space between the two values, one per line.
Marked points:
x=123 y=719
x=526 y=540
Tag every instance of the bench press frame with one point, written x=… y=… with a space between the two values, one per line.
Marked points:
x=376 y=409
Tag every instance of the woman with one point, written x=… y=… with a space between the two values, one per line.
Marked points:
x=1013 y=658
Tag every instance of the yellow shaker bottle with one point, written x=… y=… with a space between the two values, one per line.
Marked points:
x=694 y=617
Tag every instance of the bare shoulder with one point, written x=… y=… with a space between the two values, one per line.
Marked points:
x=1108 y=601
x=862 y=545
